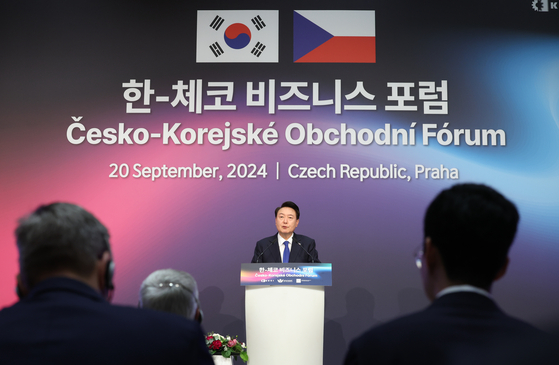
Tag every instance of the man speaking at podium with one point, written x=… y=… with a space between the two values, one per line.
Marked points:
x=286 y=246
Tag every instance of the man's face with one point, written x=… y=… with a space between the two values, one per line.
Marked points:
x=286 y=221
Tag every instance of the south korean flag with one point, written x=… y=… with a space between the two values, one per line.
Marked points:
x=237 y=36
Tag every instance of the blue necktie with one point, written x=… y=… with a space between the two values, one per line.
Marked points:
x=286 y=252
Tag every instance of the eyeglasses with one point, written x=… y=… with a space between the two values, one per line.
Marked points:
x=418 y=256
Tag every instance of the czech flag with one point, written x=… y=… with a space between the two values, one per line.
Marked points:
x=334 y=36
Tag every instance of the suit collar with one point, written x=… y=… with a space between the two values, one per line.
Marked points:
x=467 y=300
x=274 y=238
x=67 y=285
x=295 y=251
x=275 y=250
x=463 y=288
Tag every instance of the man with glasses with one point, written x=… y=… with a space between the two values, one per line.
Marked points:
x=468 y=230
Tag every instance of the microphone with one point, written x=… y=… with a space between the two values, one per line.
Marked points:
x=297 y=242
x=262 y=253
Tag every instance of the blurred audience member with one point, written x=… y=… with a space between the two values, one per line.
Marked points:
x=171 y=291
x=468 y=230
x=63 y=317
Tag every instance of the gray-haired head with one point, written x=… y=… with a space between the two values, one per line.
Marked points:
x=59 y=237
x=172 y=291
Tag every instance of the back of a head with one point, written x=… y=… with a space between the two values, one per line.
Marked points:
x=59 y=237
x=170 y=291
x=473 y=227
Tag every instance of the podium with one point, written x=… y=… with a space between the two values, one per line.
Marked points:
x=284 y=311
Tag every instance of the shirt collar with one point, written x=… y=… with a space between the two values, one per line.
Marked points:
x=281 y=240
x=64 y=284
x=464 y=288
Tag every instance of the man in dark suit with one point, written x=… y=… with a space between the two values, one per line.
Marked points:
x=286 y=246
x=468 y=230
x=63 y=316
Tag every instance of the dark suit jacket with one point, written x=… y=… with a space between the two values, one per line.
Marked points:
x=457 y=328
x=64 y=321
x=270 y=247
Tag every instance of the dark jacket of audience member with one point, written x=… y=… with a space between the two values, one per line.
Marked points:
x=64 y=318
x=468 y=230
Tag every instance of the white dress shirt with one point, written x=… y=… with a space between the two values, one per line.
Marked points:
x=464 y=288
x=281 y=241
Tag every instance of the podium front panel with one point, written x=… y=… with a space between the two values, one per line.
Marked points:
x=285 y=324
x=300 y=274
